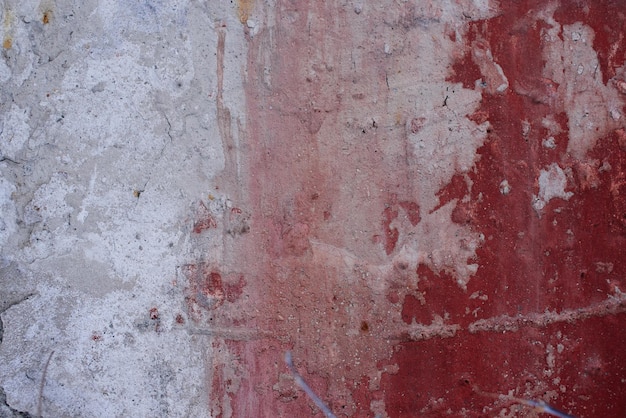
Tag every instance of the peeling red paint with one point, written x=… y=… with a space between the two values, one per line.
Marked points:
x=609 y=40
x=339 y=214
x=528 y=263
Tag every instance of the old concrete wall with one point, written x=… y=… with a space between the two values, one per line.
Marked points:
x=423 y=201
x=109 y=143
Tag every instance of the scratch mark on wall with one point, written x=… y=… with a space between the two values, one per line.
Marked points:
x=614 y=304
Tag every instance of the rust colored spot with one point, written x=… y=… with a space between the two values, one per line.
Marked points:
x=47 y=15
x=365 y=326
x=7 y=43
x=479 y=117
x=244 y=8
x=393 y=297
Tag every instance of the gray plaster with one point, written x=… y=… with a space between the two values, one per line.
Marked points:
x=108 y=139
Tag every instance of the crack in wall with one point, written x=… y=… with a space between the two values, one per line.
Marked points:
x=6 y=411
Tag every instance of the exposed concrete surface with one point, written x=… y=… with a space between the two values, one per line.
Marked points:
x=108 y=141
x=418 y=199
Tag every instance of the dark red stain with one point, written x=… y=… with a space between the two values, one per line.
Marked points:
x=321 y=187
x=442 y=375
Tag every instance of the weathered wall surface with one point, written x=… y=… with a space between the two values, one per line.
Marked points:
x=423 y=201
x=110 y=141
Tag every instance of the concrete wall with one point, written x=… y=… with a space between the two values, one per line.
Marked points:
x=109 y=144
x=423 y=201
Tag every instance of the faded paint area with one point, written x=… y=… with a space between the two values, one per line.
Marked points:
x=432 y=200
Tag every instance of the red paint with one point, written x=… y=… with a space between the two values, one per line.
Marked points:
x=609 y=40
x=571 y=257
x=334 y=203
x=203 y=219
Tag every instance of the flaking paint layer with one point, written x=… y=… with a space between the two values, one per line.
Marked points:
x=381 y=249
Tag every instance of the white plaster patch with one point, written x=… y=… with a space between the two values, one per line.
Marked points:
x=438 y=328
x=550 y=360
x=445 y=246
x=453 y=11
x=494 y=78
x=552 y=183
x=114 y=342
x=49 y=200
x=444 y=138
x=549 y=143
x=505 y=187
x=5 y=72
x=444 y=143
x=572 y=63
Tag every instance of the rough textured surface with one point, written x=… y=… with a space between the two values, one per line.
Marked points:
x=423 y=201
x=109 y=140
